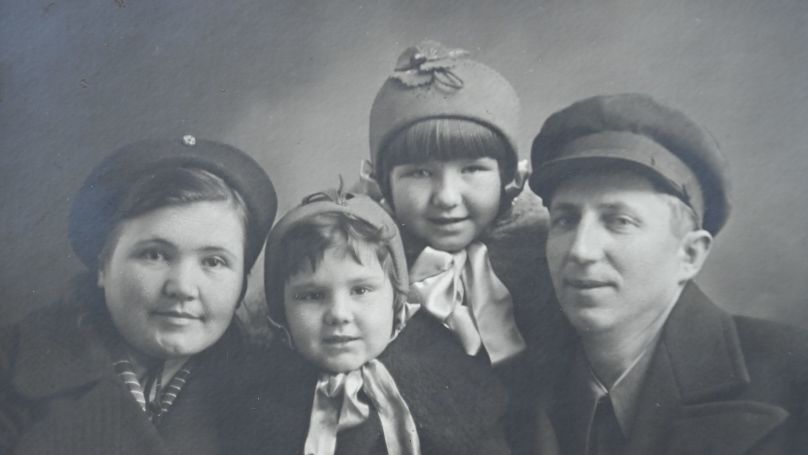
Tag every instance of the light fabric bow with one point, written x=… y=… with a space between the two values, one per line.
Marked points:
x=337 y=406
x=462 y=291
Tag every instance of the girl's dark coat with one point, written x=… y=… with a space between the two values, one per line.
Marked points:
x=456 y=402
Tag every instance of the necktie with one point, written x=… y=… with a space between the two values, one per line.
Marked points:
x=605 y=435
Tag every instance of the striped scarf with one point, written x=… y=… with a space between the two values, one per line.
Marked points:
x=155 y=400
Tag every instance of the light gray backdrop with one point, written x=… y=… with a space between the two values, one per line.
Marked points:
x=292 y=81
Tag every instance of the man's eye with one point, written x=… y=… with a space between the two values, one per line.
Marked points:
x=621 y=222
x=561 y=222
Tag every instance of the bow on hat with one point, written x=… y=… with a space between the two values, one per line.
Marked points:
x=429 y=62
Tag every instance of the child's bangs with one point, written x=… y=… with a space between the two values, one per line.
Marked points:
x=447 y=139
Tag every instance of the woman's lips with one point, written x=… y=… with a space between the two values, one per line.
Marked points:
x=339 y=339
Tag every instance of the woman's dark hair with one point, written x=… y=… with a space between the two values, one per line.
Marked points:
x=169 y=187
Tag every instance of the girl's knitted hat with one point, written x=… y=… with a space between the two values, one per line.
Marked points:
x=432 y=81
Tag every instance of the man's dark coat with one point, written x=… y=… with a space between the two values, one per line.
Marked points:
x=717 y=384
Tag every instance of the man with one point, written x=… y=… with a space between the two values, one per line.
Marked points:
x=636 y=193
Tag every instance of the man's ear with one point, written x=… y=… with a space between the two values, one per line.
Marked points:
x=695 y=248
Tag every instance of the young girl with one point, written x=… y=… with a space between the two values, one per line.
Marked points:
x=443 y=132
x=137 y=358
x=349 y=377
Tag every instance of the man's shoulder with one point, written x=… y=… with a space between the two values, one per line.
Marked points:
x=776 y=345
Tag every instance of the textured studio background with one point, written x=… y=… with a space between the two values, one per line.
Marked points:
x=292 y=81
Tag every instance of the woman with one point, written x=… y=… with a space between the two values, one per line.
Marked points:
x=138 y=357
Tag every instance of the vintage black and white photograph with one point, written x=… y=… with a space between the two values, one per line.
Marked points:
x=532 y=227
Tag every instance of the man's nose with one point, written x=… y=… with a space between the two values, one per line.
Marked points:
x=587 y=242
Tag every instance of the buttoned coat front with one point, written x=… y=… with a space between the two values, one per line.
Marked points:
x=59 y=393
x=717 y=384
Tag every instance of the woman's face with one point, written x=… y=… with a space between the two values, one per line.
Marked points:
x=173 y=277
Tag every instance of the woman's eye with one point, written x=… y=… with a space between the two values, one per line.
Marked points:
x=214 y=262
x=152 y=254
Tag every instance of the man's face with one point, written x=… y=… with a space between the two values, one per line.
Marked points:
x=614 y=258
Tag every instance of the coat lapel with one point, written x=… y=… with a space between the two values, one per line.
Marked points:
x=89 y=411
x=686 y=405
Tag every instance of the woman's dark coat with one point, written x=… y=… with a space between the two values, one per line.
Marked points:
x=60 y=395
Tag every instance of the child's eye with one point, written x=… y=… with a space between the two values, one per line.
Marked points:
x=418 y=173
x=308 y=296
x=361 y=290
x=473 y=168
x=215 y=262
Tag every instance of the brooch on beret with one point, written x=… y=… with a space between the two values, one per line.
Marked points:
x=429 y=62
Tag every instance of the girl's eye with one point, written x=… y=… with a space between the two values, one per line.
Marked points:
x=214 y=262
x=361 y=290
x=308 y=296
x=471 y=169
x=418 y=173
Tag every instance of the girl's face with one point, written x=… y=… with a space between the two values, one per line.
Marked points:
x=173 y=278
x=340 y=314
x=447 y=204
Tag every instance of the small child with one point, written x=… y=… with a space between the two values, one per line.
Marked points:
x=348 y=377
x=443 y=132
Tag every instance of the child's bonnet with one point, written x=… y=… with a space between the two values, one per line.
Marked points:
x=337 y=405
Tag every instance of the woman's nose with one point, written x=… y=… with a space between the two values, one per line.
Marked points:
x=181 y=283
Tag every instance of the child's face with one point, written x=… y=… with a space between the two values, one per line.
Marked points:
x=447 y=204
x=174 y=276
x=340 y=315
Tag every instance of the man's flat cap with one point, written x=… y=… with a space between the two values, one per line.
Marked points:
x=635 y=130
